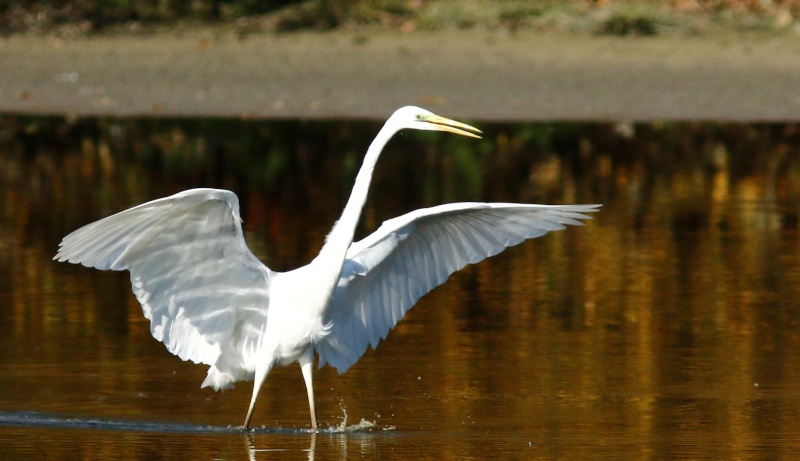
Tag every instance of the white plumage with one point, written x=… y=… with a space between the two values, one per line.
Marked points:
x=209 y=300
x=385 y=274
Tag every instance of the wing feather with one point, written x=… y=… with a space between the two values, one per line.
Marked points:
x=386 y=273
x=199 y=285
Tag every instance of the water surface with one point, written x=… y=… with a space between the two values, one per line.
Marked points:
x=667 y=327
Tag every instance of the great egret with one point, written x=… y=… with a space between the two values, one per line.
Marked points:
x=211 y=301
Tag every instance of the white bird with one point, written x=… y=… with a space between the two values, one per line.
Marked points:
x=211 y=301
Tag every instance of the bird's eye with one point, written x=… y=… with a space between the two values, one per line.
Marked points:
x=419 y=116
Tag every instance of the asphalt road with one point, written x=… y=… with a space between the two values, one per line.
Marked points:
x=467 y=75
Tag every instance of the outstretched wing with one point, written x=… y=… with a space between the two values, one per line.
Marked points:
x=198 y=283
x=385 y=274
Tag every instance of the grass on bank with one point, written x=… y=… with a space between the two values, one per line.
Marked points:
x=604 y=17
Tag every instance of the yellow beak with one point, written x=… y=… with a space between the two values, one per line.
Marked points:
x=452 y=126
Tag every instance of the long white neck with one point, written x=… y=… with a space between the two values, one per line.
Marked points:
x=331 y=256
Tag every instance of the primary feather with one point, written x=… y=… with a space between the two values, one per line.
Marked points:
x=199 y=285
x=386 y=273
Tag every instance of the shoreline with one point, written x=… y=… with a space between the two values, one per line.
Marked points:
x=475 y=75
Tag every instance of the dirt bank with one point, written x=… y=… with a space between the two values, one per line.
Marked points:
x=468 y=74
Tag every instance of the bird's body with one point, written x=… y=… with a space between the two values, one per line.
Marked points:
x=210 y=300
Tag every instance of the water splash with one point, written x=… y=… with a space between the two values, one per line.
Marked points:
x=36 y=419
x=361 y=426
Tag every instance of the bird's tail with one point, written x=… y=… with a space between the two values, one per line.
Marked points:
x=220 y=380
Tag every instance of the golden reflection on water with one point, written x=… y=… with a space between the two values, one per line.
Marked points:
x=667 y=327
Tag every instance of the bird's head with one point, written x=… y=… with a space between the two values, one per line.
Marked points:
x=416 y=118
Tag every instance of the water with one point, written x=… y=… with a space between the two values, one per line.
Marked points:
x=668 y=327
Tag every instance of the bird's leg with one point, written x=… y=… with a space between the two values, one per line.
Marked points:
x=260 y=376
x=246 y=425
x=307 y=366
